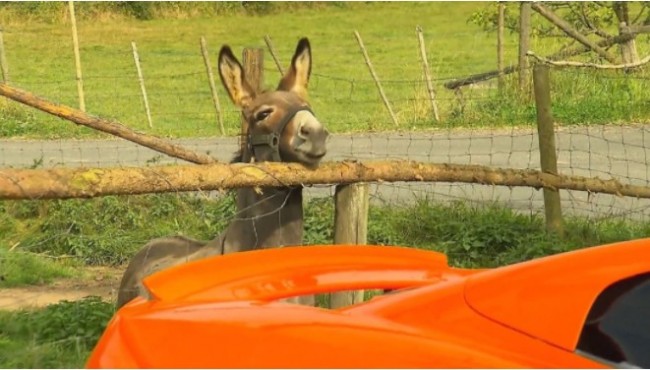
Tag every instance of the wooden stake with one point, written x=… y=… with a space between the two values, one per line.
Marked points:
x=427 y=74
x=269 y=44
x=253 y=63
x=350 y=227
x=524 y=45
x=547 y=153
x=141 y=79
x=3 y=59
x=374 y=76
x=500 y=42
x=213 y=88
x=77 y=57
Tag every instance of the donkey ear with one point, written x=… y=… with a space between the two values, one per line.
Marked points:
x=232 y=77
x=297 y=77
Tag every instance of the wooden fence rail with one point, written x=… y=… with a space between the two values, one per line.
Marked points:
x=92 y=182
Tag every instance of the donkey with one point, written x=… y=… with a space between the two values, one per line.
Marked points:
x=280 y=127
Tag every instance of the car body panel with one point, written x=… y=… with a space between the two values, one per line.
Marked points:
x=292 y=271
x=440 y=316
x=549 y=298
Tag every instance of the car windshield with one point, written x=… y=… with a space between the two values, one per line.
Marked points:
x=617 y=328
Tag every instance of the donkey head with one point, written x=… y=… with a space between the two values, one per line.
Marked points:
x=281 y=125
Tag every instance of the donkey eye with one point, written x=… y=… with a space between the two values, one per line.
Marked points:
x=261 y=115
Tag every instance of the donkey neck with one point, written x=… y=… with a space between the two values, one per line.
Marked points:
x=268 y=217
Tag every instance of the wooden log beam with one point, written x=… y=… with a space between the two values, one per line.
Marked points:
x=571 y=31
x=472 y=79
x=100 y=124
x=92 y=182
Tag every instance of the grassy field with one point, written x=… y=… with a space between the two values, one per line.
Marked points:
x=40 y=58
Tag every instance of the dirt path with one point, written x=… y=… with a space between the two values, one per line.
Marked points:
x=97 y=281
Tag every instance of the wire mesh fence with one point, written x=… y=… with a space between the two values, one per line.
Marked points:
x=480 y=125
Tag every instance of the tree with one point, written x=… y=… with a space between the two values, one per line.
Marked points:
x=596 y=20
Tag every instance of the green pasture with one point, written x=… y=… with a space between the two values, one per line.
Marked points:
x=40 y=57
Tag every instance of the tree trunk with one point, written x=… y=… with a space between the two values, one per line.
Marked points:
x=628 y=49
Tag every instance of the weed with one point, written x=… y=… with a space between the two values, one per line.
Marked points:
x=18 y=268
x=58 y=336
x=319 y=221
x=109 y=230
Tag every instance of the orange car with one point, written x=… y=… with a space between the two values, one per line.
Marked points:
x=588 y=308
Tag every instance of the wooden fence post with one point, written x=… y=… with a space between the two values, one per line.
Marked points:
x=141 y=79
x=374 y=77
x=213 y=88
x=269 y=44
x=350 y=227
x=77 y=57
x=3 y=59
x=253 y=63
x=524 y=45
x=500 y=42
x=427 y=73
x=547 y=154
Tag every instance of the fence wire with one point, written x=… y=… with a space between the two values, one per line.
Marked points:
x=481 y=125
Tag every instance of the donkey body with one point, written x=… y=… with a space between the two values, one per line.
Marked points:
x=281 y=127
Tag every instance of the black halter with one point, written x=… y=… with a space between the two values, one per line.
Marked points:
x=272 y=140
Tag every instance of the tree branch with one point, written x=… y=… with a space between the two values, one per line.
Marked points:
x=569 y=30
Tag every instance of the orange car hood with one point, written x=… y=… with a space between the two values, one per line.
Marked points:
x=549 y=298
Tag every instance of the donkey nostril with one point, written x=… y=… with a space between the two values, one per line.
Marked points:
x=304 y=130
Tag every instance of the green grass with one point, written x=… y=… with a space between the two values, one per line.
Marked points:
x=58 y=336
x=40 y=57
x=18 y=269
x=110 y=229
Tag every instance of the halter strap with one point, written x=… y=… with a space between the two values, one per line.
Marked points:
x=272 y=140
